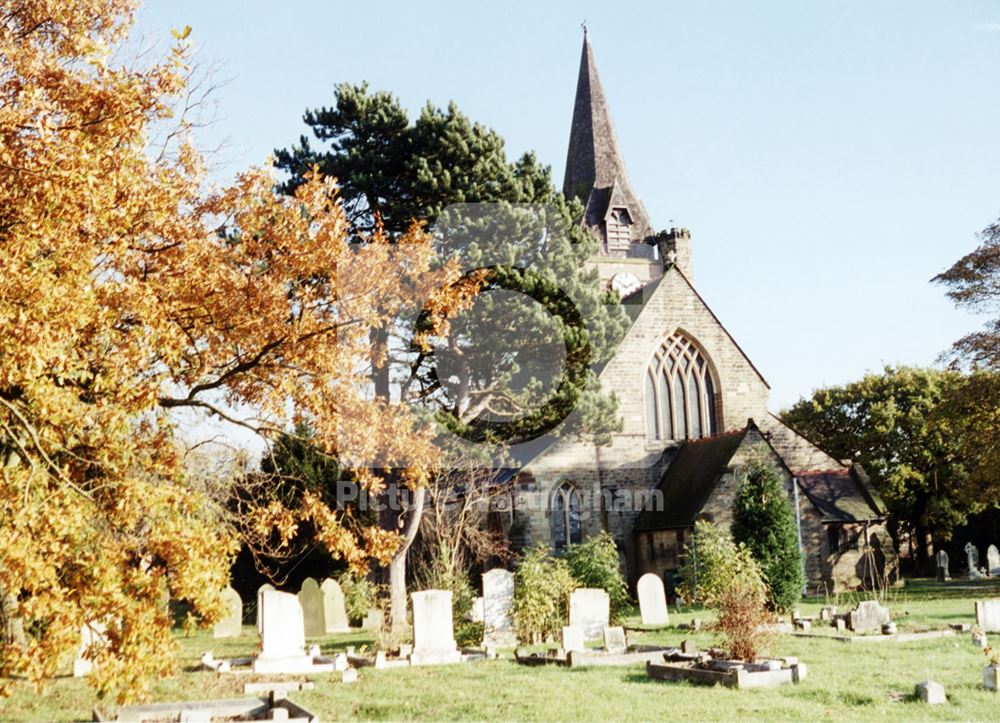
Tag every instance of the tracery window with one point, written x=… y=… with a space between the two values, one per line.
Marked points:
x=680 y=392
x=566 y=518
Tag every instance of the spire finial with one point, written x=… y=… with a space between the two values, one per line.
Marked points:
x=584 y=26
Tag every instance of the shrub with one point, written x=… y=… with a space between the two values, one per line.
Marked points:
x=595 y=563
x=436 y=574
x=542 y=584
x=763 y=520
x=360 y=596
x=724 y=576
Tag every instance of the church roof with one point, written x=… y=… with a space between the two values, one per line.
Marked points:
x=840 y=495
x=689 y=480
x=595 y=169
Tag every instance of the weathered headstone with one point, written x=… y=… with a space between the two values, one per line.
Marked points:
x=433 y=629
x=993 y=560
x=231 y=625
x=652 y=600
x=867 y=616
x=283 y=638
x=931 y=693
x=91 y=636
x=589 y=610
x=972 y=561
x=11 y=626
x=572 y=639
x=334 y=610
x=373 y=620
x=827 y=613
x=498 y=608
x=313 y=617
x=942 y=566
x=260 y=593
x=477 y=613
x=988 y=615
x=614 y=639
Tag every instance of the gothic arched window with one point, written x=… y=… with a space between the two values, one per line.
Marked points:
x=566 y=519
x=680 y=392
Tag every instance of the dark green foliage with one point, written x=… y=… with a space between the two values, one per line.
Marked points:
x=393 y=172
x=764 y=521
x=542 y=584
x=906 y=426
x=595 y=563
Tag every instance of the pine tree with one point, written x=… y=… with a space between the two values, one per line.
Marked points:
x=764 y=521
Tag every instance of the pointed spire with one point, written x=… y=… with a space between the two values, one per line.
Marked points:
x=594 y=162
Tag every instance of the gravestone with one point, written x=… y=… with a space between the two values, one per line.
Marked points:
x=572 y=639
x=972 y=561
x=433 y=629
x=334 y=611
x=11 y=626
x=993 y=560
x=283 y=638
x=313 y=614
x=942 y=566
x=589 y=609
x=373 y=620
x=91 y=635
x=652 y=600
x=867 y=616
x=988 y=615
x=231 y=624
x=498 y=609
x=477 y=613
x=260 y=591
x=614 y=640
x=931 y=692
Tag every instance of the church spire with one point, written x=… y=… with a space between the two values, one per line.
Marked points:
x=595 y=169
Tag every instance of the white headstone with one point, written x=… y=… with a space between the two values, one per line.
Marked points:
x=283 y=639
x=589 y=610
x=334 y=611
x=231 y=624
x=433 y=629
x=931 y=692
x=477 y=613
x=972 y=560
x=260 y=592
x=498 y=608
x=572 y=639
x=652 y=600
x=373 y=620
x=988 y=615
x=311 y=600
x=993 y=560
x=614 y=639
x=91 y=637
x=867 y=616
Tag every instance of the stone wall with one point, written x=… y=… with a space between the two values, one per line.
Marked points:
x=632 y=465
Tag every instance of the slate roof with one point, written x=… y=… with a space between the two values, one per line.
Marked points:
x=840 y=495
x=690 y=479
x=595 y=169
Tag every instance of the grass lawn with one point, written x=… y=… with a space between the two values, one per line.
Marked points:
x=846 y=682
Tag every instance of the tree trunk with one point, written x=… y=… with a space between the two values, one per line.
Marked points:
x=397 y=568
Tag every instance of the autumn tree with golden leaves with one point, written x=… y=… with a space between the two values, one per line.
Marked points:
x=129 y=289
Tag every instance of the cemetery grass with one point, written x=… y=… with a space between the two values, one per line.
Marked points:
x=845 y=682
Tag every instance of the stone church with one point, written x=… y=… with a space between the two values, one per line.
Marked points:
x=694 y=407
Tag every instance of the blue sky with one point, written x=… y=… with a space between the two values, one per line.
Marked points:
x=828 y=157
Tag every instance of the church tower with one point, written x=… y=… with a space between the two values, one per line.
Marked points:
x=630 y=252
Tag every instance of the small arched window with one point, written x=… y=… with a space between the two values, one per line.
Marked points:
x=680 y=392
x=566 y=518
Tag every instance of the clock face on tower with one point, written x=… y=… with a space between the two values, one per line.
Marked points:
x=625 y=283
